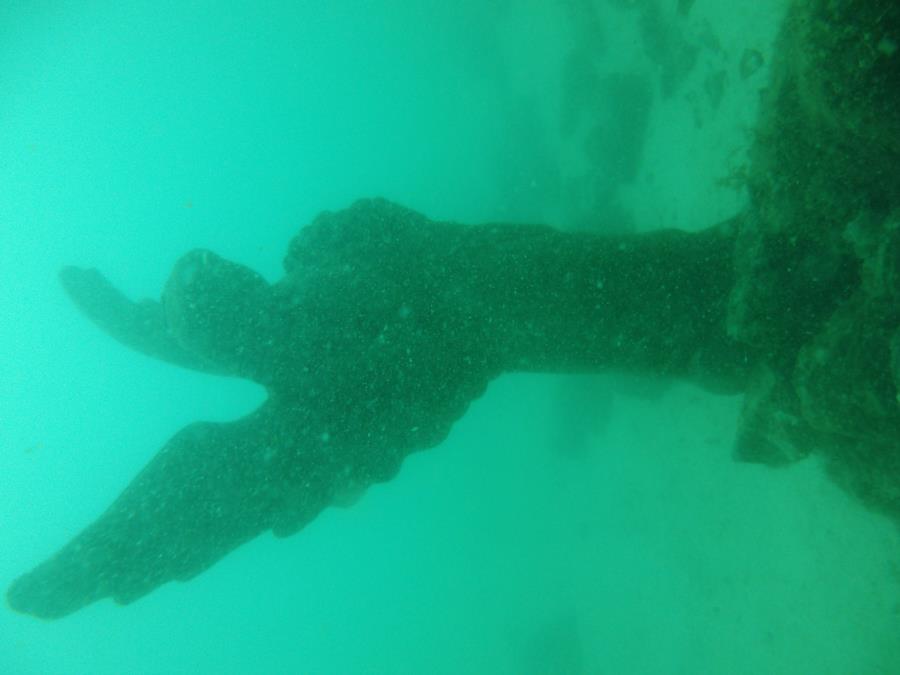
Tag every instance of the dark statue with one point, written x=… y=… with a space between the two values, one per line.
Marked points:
x=386 y=325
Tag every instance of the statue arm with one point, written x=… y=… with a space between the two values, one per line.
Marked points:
x=391 y=327
x=531 y=297
x=653 y=303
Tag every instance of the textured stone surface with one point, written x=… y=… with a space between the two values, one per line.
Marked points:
x=816 y=293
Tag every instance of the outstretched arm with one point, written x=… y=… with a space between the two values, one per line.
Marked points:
x=534 y=298
x=653 y=303
x=385 y=328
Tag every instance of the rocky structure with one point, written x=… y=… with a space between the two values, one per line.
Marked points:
x=817 y=260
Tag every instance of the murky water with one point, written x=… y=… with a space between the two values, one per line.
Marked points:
x=568 y=524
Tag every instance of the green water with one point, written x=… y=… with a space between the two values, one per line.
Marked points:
x=566 y=525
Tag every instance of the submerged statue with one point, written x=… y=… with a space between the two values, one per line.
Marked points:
x=386 y=325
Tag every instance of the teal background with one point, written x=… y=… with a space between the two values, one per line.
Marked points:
x=132 y=132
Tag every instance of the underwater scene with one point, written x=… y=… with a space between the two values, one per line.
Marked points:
x=507 y=337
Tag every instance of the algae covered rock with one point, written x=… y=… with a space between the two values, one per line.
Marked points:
x=817 y=289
